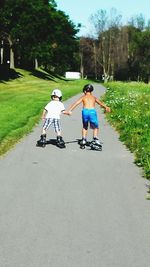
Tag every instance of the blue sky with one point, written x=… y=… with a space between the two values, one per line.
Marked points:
x=80 y=11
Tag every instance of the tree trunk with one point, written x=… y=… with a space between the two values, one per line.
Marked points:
x=81 y=66
x=12 y=61
x=12 y=64
x=105 y=69
x=95 y=60
x=36 y=63
x=2 y=53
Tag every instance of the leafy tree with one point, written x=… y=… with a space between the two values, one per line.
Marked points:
x=36 y=31
x=140 y=54
x=138 y=22
x=65 y=45
x=88 y=60
x=22 y=26
x=119 y=52
x=144 y=52
x=106 y=26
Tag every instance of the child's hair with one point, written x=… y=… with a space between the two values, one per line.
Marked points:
x=54 y=96
x=56 y=93
x=88 y=88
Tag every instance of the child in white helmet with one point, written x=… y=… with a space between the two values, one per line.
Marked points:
x=51 y=116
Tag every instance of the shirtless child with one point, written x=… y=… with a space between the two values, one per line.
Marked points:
x=89 y=114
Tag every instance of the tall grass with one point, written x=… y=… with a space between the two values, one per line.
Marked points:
x=22 y=101
x=130 y=103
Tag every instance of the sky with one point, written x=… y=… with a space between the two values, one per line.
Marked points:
x=79 y=11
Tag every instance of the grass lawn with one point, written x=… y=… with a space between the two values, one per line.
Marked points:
x=130 y=104
x=22 y=101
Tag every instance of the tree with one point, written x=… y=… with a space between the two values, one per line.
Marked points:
x=5 y=29
x=36 y=31
x=106 y=26
x=139 y=54
x=65 y=45
x=88 y=58
x=22 y=23
x=122 y=51
x=138 y=22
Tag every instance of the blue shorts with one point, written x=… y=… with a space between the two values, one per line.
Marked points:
x=89 y=116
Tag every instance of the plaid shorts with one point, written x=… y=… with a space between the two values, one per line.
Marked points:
x=54 y=122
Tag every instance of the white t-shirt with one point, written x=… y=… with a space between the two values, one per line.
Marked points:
x=54 y=109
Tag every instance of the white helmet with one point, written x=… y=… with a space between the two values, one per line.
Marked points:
x=56 y=92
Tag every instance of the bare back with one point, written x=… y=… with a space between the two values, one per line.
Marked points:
x=88 y=101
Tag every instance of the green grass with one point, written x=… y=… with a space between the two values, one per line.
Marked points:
x=130 y=104
x=23 y=99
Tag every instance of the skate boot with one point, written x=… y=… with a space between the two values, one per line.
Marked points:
x=83 y=143
x=95 y=144
x=60 y=142
x=42 y=141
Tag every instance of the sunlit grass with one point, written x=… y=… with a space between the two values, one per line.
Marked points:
x=130 y=103
x=22 y=101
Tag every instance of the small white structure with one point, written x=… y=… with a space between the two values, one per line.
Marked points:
x=72 y=75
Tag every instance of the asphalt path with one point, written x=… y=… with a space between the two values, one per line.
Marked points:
x=71 y=207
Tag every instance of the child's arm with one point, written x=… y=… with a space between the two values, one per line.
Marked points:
x=102 y=104
x=44 y=114
x=65 y=112
x=75 y=104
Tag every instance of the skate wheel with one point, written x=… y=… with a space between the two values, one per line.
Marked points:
x=39 y=144
x=96 y=148
x=61 y=146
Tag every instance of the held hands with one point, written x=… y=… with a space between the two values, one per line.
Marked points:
x=67 y=112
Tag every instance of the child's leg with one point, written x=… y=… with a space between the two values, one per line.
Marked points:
x=85 y=119
x=95 y=126
x=95 y=136
x=56 y=125
x=83 y=141
x=84 y=133
x=95 y=132
x=94 y=123
x=46 y=125
x=57 y=128
x=43 y=131
x=60 y=142
x=58 y=133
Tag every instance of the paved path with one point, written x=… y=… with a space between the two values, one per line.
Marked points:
x=72 y=207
